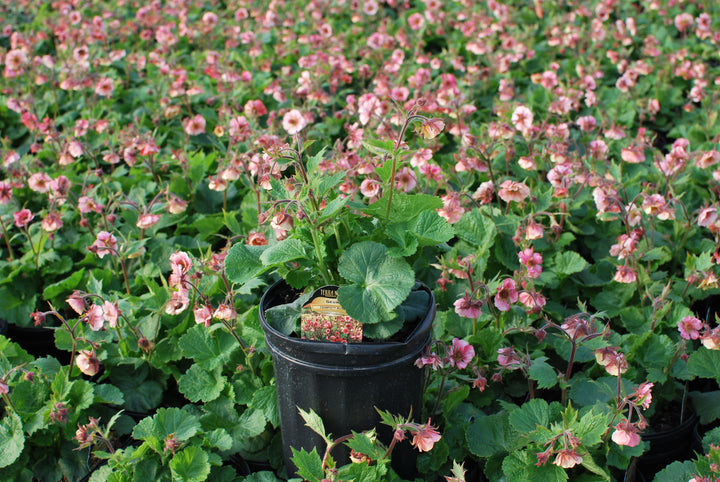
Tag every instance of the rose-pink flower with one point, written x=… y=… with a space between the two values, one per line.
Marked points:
x=507 y=294
x=690 y=327
x=626 y=434
x=425 y=437
x=461 y=353
x=23 y=217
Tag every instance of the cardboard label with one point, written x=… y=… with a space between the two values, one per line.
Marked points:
x=323 y=318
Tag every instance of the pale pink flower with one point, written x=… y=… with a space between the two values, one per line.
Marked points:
x=484 y=192
x=39 y=182
x=110 y=313
x=507 y=294
x=708 y=216
x=683 y=21
x=77 y=302
x=711 y=339
x=522 y=118
x=406 y=179
x=416 y=21
x=370 y=187
x=625 y=274
x=225 y=312
x=508 y=358
x=175 y=205
x=147 y=220
x=567 y=459
x=626 y=434
x=178 y=302
x=52 y=222
x=425 y=437
x=87 y=204
x=468 y=307
x=461 y=353
x=689 y=327
x=203 y=315
x=87 y=362
x=633 y=154
x=532 y=262
x=105 y=243
x=23 y=217
x=195 y=126
x=643 y=395
x=513 y=191
x=293 y=122
x=94 y=317
x=452 y=210
x=431 y=128
x=15 y=60
x=104 y=87
x=533 y=301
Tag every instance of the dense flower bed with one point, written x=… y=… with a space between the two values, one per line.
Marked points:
x=572 y=147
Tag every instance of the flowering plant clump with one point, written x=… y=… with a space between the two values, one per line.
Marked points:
x=549 y=169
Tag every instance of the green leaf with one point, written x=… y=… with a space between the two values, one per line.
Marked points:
x=208 y=348
x=232 y=223
x=242 y=263
x=66 y=285
x=589 y=463
x=404 y=207
x=380 y=283
x=198 y=384
x=107 y=393
x=331 y=209
x=378 y=147
x=362 y=443
x=707 y=405
x=282 y=252
x=190 y=465
x=591 y=427
x=12 y=439
x=328 y=183
x=476 y=230
x=252 y=423
x=265 y=400
x=568 y=262
x=176 y=421
x=218 y=438
x=677 y=471
x=490 y=435
x=285 y=318
x=431 y=228
x=520 y=465
x=531 y=414
x=314 y=422
x=309 y=464
x=705 y=363
x=543 y=373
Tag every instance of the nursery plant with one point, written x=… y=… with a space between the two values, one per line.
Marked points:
x=541 y=178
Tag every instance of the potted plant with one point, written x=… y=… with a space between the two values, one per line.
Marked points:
x=348 y=320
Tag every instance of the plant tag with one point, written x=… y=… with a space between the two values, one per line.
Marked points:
x=323 y=318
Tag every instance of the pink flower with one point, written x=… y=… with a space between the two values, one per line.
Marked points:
x=432 y=360
x=293 y=122
x=567 y=459
x=532 y=262
x=468 y=307
x=225 y=312
x=77 y=302
x=461 y=353
x=508 y=358
x=87 y=204
x=195 y=126
x=480 y=383
x=626 y=434
x=711 y=339
x=513 y=191
x=507 y=294
x=370 y=187
x=178 y=302
x=110 y=313
x=690 y=327
x=643 y=395
x=425 y=437
x=105 y=243
x=147 y=220
x=431 y=128
x=522 y=118
x=23 y=217
x=87 y=362
x=625 y=274
x=452 y=210
x=256 y=238
x=94 y=318
x=203 y=315
x=52 y=222
x=5 y=192
x=104 y=87
x=39 y=182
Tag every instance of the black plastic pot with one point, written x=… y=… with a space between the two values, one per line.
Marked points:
x=668 y=446
x=343 y=383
